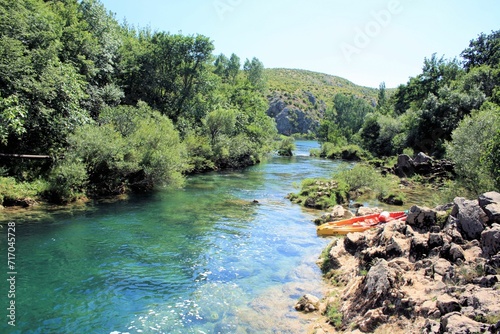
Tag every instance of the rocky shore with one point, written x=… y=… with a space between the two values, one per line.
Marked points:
x=437 y=272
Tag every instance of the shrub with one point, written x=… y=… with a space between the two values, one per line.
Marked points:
x=67 y=182
x=286 y=146
x=13 y=191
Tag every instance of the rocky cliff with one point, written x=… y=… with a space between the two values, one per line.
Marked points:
x=298 y=99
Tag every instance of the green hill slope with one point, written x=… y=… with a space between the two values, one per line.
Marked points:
x=299 y=98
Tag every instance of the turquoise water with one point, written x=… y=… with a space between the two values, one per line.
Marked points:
x=204 y=259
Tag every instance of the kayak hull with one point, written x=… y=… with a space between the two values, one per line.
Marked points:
x=357 y=224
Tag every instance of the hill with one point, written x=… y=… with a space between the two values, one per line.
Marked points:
x=299 y=98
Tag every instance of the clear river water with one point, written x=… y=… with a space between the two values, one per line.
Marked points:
x=203 y=259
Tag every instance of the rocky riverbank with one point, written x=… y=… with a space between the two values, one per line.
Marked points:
x=436 y=272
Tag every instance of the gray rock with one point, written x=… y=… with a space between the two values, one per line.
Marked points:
x=456 y=253
x=419 y=248
x=421 y=218
x=405 y=166
x=457 y=323
x=469 y=221
x=307 y=303
x=486 y=281
x=435 y=240
x=490 y=203
x=422 y=157
x=490 y=241
x=379 y=280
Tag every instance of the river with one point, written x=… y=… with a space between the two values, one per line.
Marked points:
x=204 y=259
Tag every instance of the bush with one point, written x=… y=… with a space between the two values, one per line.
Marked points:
x=12 y=192
x=346 y=152
x=67 y=182
x=286 y=146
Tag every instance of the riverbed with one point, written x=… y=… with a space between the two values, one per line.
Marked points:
x=227 y=253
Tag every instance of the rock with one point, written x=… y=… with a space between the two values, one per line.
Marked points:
x=435 y=240
x=494 y=261
x=355 y=242
x=457 y=323
x=422 y=157
x=393 y=249
x=427 y=308
x=456 y=253
x=405 y=166
x=486 y=281
x=379 y=280
x=490 y=203
x=421 y=218
x=468 y=214
x=446 y=304
x=371 y=319
x=419 y=248
x=451 y=231
x=431 y=327
x=307 y=303
x=490 y=241
x=332 y=259
x=363 y=211
x=338 y=211
x=442 y=266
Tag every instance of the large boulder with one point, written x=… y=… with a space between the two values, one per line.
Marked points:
x=405 y=166
x=490 y=203
x=490 y=241
x=469 y=218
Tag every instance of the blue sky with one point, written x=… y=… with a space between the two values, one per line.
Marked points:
x=364 y=41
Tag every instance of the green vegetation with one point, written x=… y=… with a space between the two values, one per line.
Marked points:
x=348 y=184
x=334 y=314
x=451 y=109
x=118 y=108
x=286 y=146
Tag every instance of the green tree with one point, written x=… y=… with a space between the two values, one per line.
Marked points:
x=484 y=50
x=255 y=73
x=233 y=67
x=471 y=145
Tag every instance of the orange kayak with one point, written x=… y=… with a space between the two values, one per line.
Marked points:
x=358 y=224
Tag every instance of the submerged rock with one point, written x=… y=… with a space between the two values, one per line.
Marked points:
x=307 y=303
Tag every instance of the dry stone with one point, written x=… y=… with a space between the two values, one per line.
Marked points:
x=490 y=240
x=421 y=218
x=490 y=203
x=469 y=218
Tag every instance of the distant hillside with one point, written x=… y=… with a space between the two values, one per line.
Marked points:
x=299 y=98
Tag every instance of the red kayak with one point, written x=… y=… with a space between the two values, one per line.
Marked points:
x=358 y=224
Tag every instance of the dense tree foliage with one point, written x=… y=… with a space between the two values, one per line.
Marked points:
x=120 y=108
x=449 y=110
